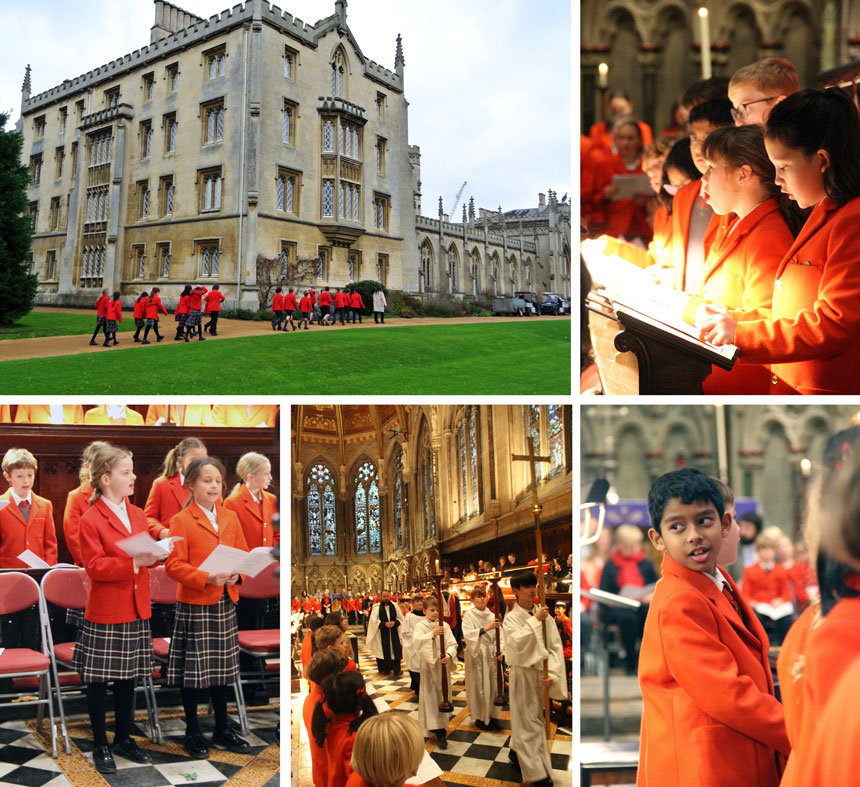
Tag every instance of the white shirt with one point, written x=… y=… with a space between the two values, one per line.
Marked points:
x=120 y=510
x=57 y=415
x=116 y=411
x=258 y=498
x=19 y=500
x=718 y=580
x=211 y=515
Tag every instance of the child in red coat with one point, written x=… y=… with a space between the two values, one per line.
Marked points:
x=153 y=306
x=101 y=315
x=335 y=722
x=195 y=312
x=325 y=664
x=140 y=314
x=113 y=315
x=277 y=309
x=306 y=306
x=290 y=306
x=356 y=304
x=765 y=586
x=181 y=314
x=214 y=299
x=387 y=750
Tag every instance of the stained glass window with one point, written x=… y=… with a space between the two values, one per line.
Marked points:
x=534 y=438
x=473 y=456
x=368 y=536
x=401 y=521
x=555 y=439
x=322 y=517
x=464 y=471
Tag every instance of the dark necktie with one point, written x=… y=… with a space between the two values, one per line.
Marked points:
x=732 y=600
x=24 y=508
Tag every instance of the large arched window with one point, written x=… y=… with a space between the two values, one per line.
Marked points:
x=338 y=68
x=468 y=451
x=544 y=430
x=322 y=515
x=555 y=439
x=401 y=518
x=368 y=538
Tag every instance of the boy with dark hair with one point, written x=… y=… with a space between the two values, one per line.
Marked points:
x=525 y=653
x=706 y=682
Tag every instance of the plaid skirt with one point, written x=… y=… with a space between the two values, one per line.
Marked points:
x=139 y=322
x=194 y=318
x=100 y=319
x=113 y=651
x=111 y=326
x=204 y=649
x=180 y=318
x=150 y=321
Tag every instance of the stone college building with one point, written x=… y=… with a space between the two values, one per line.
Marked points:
x=252 y=133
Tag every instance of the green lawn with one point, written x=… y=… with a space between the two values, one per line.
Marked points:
x=37 y=324
x=527 y=358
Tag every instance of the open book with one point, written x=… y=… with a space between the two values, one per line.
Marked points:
x=229 y=560
x=774 y=612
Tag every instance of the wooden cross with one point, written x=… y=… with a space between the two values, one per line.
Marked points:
x=532 y=458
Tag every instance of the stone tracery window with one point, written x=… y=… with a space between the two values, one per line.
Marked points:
x=368 y=536
x=401 y=520
x=322 y=513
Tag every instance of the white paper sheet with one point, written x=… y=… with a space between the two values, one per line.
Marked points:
x=224 y=559
x=34 y=561
x=145 y=544
x=1 y=651
x=427 y=770
x=631 y=185
x=774 y=611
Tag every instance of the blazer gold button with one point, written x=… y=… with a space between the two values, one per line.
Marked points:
x=774 y=379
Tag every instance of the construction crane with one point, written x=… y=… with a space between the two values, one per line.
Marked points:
x=457 y=198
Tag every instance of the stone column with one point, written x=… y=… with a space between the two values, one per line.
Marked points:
x=829 y=33
x=113 y=258
x=650 y=59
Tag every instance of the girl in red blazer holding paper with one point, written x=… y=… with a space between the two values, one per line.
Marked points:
x=140 y=314
x=214 y=299
x=114 y=642
x=204 y=649
x=181 y=314
x=153 y=307
x=101 y=315
x=809 y=339
x=168 y=495
x=250 y=501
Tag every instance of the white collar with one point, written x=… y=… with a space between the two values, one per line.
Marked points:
x=212 y=515
x=19 y=500
x=121 y=511
x=718 y=580
x=258 y=498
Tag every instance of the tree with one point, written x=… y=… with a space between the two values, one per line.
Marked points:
x=367 y=287
x=281 y=272
x=17 y=285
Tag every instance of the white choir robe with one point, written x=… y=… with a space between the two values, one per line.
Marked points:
x=525 y=654
x=410 y=620
x=480 y=661
x=373 y=640
x=427 y=648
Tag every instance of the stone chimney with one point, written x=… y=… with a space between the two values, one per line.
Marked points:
x=541 y=200
x=169 y=19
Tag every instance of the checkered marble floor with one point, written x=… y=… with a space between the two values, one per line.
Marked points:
x=25 y=761
x=474 y=758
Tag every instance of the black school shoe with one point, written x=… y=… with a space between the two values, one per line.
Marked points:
x=196 y=746
x=103 y=760
x=131 y=751
x=513 y=759
x=228 y=739
x=442 y=739
x=544 y=783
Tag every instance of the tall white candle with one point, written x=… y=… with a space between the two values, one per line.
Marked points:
x=603 y=75
x=705 y=39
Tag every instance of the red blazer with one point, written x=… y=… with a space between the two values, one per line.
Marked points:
x=166 y=498
x=139 y=308
x=256 y=524
x=117 y=594
x=308 y=607
x=706 y=689
x=77 y=504
x=306 y=304
x=307 y=646
x=340 y=300
x=199 y=539
x=791 y=671
x=154 y=306
x=356 y=301
x=338 y=749
x=620 y=217
x=195 y=300
x=325 y=298
x=41 y=414
x=36 y=534
x=97 y=416
x=682 y=209
x=213 y=301
x=278 y=302
x=811 y=340
x=313 y=296
x=114 y=310
x=182 y=306
x=290 y=302
x=765 y=586
x=800 y=577
x=319 y=763
x=101 y=306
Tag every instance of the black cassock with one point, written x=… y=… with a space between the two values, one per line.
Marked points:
x=392 y=650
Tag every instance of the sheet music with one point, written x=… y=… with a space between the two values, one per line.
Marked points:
x=224 y=559
x=145 y=544
x=34 y=561
x=629 y=186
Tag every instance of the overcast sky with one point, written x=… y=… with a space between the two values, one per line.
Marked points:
x=488 y=81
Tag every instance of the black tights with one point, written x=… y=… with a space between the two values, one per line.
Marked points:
x=123 y=702
x=154 y=327
x=190 y=700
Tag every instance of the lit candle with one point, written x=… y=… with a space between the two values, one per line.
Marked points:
x=603 y=75
x=437 y=565
x=705 y=39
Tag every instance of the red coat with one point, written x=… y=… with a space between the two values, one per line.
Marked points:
x=140 y=309
x=308 y=607
x=811 y=340
x=114 y=310
x=153 y=306
x=319 y=763
x=290 y=302
x=800 y=577
x=600 y=135
x=195 y=300
x=214 y=298
x=117 y=594
x=256 y=522
x=182 y=306
x=356 y=301
x=306 y=304
x=325 y=298
x=198 y=540
x=765 y=586
x=36 y=534
x=682 y=209
x=338 y=749
x=706 y=689
x=166 y=498
x=101 y=306
x=624 y=216
x=340 y=300
x=313 y=296
x=77 y=504
x=278 y=302
x=791 y=671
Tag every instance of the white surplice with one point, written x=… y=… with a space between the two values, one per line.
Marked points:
x=373 y=640
x=525 y=654
x=480 y=661
x=410 y=620
x=427 y=648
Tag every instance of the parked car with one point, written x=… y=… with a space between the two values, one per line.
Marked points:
x=555 y=303
x=505 y=304
x=531 y=299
